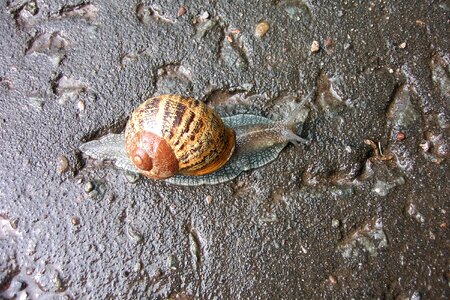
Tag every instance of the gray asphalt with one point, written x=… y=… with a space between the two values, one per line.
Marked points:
x=362 y=212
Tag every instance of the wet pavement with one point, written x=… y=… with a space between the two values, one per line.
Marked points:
x=361 y=212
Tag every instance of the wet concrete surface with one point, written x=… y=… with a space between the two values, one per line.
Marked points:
x=362 y=212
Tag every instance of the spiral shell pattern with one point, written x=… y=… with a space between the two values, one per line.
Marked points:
x=197 y=136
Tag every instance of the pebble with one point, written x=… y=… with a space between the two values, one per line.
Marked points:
x=315 y=46
x=57 y=281
x=75 y=221
x=261 y=29
x=81 y=106
x=209 y=199
x=88 y=187
x=400 y=136
x=335 y=223
x=204 y=16
x=181 y=11
x=63 y=164
x=402 y=45
x=172 y=262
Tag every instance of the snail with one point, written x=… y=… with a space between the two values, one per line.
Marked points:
x=185 y=142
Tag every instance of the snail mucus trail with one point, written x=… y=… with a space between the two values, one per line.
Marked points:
x=184 y=142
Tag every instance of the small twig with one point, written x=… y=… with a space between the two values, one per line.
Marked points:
x=379 y=155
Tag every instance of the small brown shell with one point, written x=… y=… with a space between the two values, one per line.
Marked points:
x=171 y=134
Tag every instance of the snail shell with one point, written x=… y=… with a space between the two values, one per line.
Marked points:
x=171 y=134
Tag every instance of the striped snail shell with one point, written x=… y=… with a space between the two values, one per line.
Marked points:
x=171 y=134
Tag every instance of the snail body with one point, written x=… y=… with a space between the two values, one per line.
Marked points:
x=170 y=134
x=215 y=149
